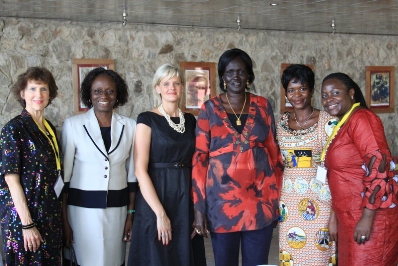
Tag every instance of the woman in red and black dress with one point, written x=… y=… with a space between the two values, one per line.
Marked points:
x=237 y=167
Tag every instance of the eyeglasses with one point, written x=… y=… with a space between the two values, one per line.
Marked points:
x=106 y=92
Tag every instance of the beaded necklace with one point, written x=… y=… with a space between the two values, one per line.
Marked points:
x=284 y=122
x=180 y=128
x=335 y=130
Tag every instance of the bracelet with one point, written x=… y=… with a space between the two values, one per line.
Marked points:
x=28 y=226
x=131 y=211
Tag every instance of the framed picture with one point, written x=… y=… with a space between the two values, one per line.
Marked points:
x=200 y=85
x=285 y=105
x=380 y=89
x=80 y=68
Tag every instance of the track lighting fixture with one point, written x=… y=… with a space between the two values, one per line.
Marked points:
x=238 y=22
x=333 y=25
x=124 y=16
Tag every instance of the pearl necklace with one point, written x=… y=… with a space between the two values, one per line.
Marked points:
x=180 y=128
x=305 y=122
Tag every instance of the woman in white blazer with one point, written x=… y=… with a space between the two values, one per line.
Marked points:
x=100 y=184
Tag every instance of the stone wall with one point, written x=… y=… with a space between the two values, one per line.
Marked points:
x=139 y=50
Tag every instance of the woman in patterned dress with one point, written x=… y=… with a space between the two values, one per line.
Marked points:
x=237 y=167
x=363 y=187
x=30 y=166
x=305 y=200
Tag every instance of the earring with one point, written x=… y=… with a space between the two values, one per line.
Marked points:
x=286 y=100
x=352 y=97
x=247 y=85
x=225 y=85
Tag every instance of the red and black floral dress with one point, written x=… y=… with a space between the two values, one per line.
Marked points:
x=237 y=178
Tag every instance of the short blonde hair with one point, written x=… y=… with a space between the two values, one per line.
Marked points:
x=168 y=71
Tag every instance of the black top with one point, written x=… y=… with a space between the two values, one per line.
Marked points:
x=243 y=118
x=106 y=137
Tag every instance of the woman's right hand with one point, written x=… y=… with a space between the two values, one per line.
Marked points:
x=67 y=234
x=164 y=228
x=333 y=226
x=200 y=225
x=32 y=239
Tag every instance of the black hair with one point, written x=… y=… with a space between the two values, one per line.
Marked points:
x=350 y=84
x=37 y=74
x=298 y=73
x=122 y=93
x=230 y=55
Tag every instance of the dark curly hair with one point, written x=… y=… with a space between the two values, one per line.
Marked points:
x=121 y=86
x=350 y=84
x=37 y=74
x=230 y=55
x=298 y=73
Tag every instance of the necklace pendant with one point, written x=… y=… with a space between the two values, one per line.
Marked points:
x=238 y=123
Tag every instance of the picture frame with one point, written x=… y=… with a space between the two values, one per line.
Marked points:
x=200 y=85
x=286 y=106
x=380 y=88
x=80 y=68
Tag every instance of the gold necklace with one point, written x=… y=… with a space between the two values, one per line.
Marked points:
x=305 y=122
x=238 y=122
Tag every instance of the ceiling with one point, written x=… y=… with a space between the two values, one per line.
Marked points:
x=350 y=16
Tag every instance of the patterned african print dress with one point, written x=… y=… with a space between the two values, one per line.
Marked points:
x=305 y=201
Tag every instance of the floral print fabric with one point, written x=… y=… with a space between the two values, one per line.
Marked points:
x=237 y=177
x=26 y=151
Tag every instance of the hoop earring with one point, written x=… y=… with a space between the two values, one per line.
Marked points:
x=247 y=85
x=225 y=85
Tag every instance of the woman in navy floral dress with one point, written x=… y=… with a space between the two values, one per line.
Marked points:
x=29 y=168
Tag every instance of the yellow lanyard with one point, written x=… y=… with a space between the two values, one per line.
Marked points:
x=335 y=130
x=53 y=143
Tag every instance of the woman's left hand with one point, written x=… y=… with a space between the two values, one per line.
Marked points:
x=164 y=228
x=127 y=229
x=364 y=226
x=32 y=239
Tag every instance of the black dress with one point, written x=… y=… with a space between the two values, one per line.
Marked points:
x=173 y=187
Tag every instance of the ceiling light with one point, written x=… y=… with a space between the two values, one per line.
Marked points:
x=124 y=15
x=274 y=4
x=238 y=21
x=333 y=25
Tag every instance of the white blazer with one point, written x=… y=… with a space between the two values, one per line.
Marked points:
x=90 y=172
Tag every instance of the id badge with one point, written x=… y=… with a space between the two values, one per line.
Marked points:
x=321 y=174
x=59 y=185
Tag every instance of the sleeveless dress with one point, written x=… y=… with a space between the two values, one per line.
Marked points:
x=173 y=187
x=305 y=201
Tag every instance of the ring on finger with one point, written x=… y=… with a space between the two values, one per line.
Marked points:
x=197 y=231
x=363 y=237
